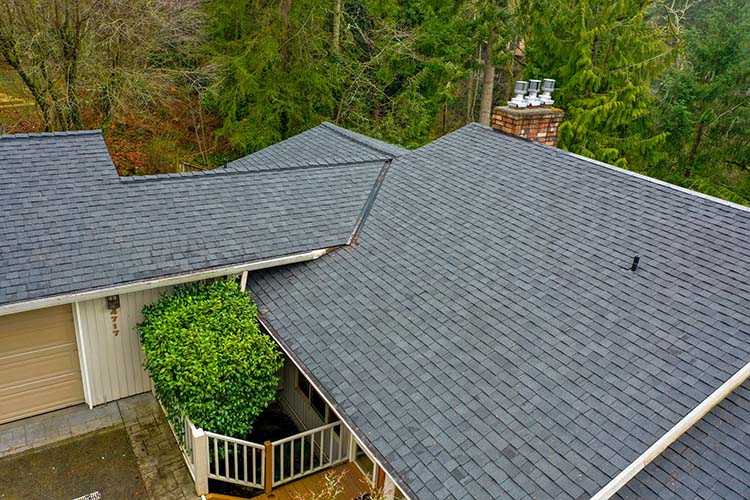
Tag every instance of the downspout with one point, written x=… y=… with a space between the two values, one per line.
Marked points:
x=673 y=434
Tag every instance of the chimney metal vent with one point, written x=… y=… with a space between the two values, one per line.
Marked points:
x=533 y=97
x=519 y=101
x=548 y=86
x=533 y=88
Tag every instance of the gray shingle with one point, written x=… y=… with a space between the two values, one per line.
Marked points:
x=69 y=223
x=325 y=144
x=711 y=458
x=491 y=278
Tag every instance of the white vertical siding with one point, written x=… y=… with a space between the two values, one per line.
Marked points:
x=294 y=402
x=114 y=361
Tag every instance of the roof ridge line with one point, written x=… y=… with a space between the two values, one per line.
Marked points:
x=347 y=134
x=659 y=182
x=219 y=171
x=369 y=202
x=62 y=133
x=615 y=168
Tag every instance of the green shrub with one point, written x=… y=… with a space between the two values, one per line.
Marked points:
x=208 y=358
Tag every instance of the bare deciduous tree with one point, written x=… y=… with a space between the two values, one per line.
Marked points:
x=81 y=60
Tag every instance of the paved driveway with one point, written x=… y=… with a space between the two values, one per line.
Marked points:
x=123 y=449
x=100 y=462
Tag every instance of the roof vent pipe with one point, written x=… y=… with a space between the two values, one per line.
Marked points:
x=636 y=260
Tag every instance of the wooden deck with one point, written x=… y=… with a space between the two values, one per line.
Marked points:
x=353 y=484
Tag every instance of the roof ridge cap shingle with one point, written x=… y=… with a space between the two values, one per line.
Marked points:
x=42 y=135
x=371 y=198
x=609 y=166
x=220 y=171
x=354 y=137
x=659 y=182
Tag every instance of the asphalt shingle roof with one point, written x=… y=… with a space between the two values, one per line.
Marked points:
x=710 y=461
x=326 y=144
x=69 y=223
x=486 y=334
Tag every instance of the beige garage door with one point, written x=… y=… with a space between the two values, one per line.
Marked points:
x=39 y=369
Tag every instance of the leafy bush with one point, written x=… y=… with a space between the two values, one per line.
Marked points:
x=208 y=358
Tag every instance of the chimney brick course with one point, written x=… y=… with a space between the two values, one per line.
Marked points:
x=539 y=124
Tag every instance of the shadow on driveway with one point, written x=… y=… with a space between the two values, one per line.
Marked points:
x=100 y=461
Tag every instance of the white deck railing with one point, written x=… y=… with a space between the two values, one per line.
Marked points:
x=186 y=446
x=214 y=456
x=236 y=461
x=183 y=433
x=309 y=452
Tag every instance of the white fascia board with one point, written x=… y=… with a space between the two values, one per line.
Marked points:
x=673 y=434
x=159 y=282
x=293 y=358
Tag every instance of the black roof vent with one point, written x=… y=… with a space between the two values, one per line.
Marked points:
x=636 y=260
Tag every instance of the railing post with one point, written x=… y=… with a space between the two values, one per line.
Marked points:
x=268 y=480
x=200 y=457
x=350 y=446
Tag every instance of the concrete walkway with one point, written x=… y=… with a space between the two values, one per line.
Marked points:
x=159 y=458
x=49 y=428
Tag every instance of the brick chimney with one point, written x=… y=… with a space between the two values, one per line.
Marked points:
x=538 y=123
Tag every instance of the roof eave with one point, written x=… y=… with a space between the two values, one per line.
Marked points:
x=69 y=298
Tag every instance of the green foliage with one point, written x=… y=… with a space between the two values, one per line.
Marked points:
x=704 y=105
x=397 y=68
x=605 y=56
x=208 y=358
x=658 y=87
x=279 y=75
x=274 y=76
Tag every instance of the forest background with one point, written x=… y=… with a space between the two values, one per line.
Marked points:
x=661 y=87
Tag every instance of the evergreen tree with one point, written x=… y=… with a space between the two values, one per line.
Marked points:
x=704 y=104
x=274 y=77
x=492 y=21
x=401 y=63
x=604 y=55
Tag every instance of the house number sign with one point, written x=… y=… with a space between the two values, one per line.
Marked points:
x=115 y=328
x=113 y=304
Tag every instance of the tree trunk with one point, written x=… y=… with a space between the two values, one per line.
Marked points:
x=284 y=7
x=470 y=97
x=488 y=82
x=336 y=26
x=696 y=142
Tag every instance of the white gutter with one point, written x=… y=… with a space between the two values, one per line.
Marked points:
x=673 y=434
x=291 y=356
x=159 y=282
